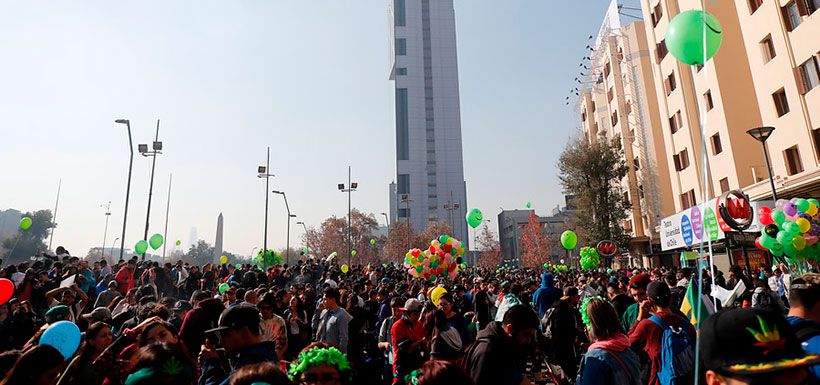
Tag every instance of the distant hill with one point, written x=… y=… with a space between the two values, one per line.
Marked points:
x=9 y=222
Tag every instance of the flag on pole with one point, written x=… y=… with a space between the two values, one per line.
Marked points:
x=691 y=303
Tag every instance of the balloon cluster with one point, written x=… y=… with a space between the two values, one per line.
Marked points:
x=557 y=268
x=589 y=258
x=268 y=258
x=791 y=229
x=442 y=258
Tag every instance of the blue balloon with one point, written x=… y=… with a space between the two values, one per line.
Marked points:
x=63 y=336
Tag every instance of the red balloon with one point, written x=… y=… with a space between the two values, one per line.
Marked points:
x=759 y=246
x=6 y=290
x=416 y=252
x=432 y=249
x=446 y=247
x=765 y=215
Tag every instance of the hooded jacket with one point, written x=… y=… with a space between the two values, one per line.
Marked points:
x=546 y=295
x=494 y=359
x=610 y=362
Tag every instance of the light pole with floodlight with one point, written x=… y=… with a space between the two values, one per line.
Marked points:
x=307 y=242
x=105 y=232
x=349 y=190
x=127 y=123
x=287 y=242
x=156 y=149
x=262 y=172
x=761 y=134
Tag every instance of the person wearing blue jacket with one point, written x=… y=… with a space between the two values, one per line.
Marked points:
x=609 y=360
x=546 y=295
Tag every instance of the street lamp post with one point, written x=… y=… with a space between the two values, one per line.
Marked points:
x=105 y=232
x=761 y=134
x=287 y=242
x=128 y=186
x=156 y=150
x=262 y=172
x=386 y=220
x=112 y=249
x=349 y=190
x=307 y=242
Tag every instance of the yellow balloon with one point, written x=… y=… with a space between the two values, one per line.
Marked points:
x=450 y=241
x=812 y=209
x=223 y=259
x=345 y=269
x=460 y=251
x=436 y=294
x=799 y=242
x=435 y=243
x=803 y=224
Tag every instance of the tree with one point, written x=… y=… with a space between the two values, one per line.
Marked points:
x=489 y=248
x=27 y=243
x=534 y=247
x=591 y=173
x=200 y=254
x=331 y=236
x=400 y=238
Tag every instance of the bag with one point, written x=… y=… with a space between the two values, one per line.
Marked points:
x=677 y=353
x=548 y=323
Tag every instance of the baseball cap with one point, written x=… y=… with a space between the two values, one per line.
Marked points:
x=236 y=317
x=57 y=313
x=569 y=292
x=99 y=314
x=750 y=342
x=182 y=305
x=412 y=304
x=639 y=280
x=385 y=280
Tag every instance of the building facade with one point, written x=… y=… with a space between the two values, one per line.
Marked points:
x=618 y=98
x=511 y=227
x=429 y=185
x=782 y=40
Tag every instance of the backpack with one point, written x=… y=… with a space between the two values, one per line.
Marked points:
x=677 y=353
x=548 y=322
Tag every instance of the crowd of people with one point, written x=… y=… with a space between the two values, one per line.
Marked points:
x=146 y=322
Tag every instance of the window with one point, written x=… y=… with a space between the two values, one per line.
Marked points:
x=675 y=122
x=791 y=15
x=401 y=71
x=661 y=51
x=724 y=185
x=403 y=185
x=606 y=69
x=402 y=123
x=657 y=14
x=583 y=116
x=670 y=84
x=626 y=197
x=811 y=6
x=707 y=100
x=401 y=47
x=404 y=213
x=637 y=163
x=809 y=74
x=609 y=94
x=781 y=103
x=698 y=68
x=399 y=15
x=717 y=147
x=754 y=5
x=793 y=163
x=615 y=118
x=628 y=107
x=681 y=160
x=767 y=46
x=815 y=133
x=687 y=199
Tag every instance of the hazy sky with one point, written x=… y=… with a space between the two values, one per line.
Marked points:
x=228 y=78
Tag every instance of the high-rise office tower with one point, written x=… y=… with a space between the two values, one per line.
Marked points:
x=429 y=184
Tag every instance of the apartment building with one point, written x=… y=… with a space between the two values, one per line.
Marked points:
x=782 y=40
x=619 y=98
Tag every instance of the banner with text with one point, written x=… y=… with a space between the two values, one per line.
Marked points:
x=699 y=224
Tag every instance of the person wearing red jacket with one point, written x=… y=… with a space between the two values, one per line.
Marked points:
x=125 y=277
x=407 y=335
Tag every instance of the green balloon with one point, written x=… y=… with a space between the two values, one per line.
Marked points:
x=372 y=242
x=179 y=242
x=353 y=253
x=25 y=223
x=238 y=265
x=529 y=205
x=155 y=241
x=141 y=247
x=684 y=36
x=778 y=216
x=223 y=287
x=474 y=218
x=802 y=205
x=569 y=239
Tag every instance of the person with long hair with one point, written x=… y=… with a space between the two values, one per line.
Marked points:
x=80 y=371
x=445 y=342
x=609 y=360
x=40 y=365
x=162 y=363
x=298 y=327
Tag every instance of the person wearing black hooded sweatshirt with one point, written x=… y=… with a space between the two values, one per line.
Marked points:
x=546 y=295
x=498 y=355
